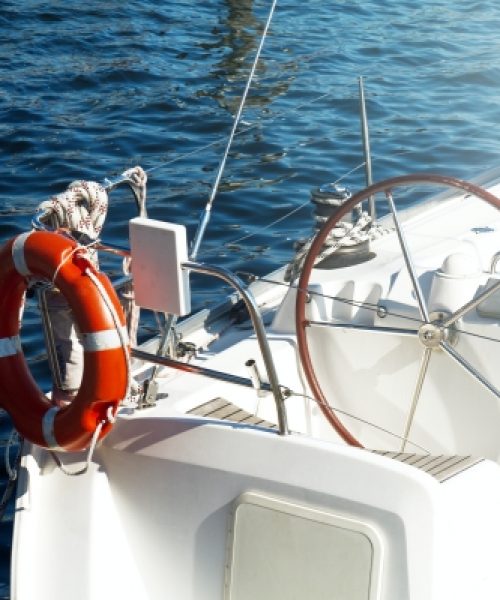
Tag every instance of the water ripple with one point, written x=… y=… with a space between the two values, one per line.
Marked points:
x=89 y=89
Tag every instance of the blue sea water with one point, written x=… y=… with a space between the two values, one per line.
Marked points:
x=88 y=89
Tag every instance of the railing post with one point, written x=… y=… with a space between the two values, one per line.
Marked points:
x=259 y=328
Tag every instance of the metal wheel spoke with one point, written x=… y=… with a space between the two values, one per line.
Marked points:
x=365 y=328
x=424 y=313
x=465 y=364
x=471 y=305
x=431 y=335
x=424 y=365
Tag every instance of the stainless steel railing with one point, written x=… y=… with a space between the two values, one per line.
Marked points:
x=255 y=316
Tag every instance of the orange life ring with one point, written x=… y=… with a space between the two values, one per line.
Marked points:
x=98 y=316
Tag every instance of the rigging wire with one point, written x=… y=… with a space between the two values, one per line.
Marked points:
x=358 y=304
x=248 y=129
x=285 y=216
x=304 y=59
x=171 y=319
x=357 y=418
x=206 y=213
x=355 y=303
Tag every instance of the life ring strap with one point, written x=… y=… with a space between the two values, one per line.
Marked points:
x=9 y=346
x=18 y=257
x=48 y=428
x=107 y=339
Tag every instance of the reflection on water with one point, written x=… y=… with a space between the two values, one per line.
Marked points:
x=89 y=89
x=239 y=34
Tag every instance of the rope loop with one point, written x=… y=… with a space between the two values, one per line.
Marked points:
x=14 y=439
x=343 y=235
x=137 y=180
x=80 y=256
x=110 y=418
x=82 y=207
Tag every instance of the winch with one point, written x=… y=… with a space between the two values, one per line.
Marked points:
x=348 y=243
x=350 y=247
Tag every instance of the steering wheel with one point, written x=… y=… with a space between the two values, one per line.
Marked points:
x=432 y=333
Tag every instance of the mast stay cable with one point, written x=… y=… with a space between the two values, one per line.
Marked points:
x=205 y=216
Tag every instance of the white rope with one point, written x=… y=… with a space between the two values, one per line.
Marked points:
x=82 y=207
x=70 y=255
x=12 y=473
x=137 y=179
x=116 y=320
x=110 y=416
x=343 y=235
x=90 y=454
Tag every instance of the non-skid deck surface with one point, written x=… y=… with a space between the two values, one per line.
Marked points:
x=441 y=467
x=218 y=408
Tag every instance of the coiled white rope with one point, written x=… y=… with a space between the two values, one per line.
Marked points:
x=82 y=207
x=137 y=180
x=343 y=235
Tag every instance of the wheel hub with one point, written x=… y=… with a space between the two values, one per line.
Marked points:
x=431 y=335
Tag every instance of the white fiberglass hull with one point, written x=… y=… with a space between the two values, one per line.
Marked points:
x=186 y=502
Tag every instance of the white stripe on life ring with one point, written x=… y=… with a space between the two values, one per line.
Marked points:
x=18 y=254
x=9 y=346
x=108 y=339
x=48 y=429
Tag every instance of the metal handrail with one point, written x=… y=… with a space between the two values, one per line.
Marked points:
x=254 y=312
x=166 y=361
x=48 y=332
x=258 y=325
x=259 y=329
